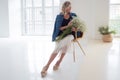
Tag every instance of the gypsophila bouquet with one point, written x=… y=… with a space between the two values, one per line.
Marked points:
x=75 y=22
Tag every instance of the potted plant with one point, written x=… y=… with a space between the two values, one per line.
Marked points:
x=106 y=33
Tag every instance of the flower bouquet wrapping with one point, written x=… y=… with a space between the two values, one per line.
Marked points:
x=77 y=23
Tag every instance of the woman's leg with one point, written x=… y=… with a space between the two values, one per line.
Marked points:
x=45 y=68
x=64 y=45
x=52 y=57
x=56 y=66
x=60 y=59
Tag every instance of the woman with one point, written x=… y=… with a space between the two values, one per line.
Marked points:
x=61 y=22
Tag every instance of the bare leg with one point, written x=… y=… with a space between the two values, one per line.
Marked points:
x=45 y=68
x=61 y=58
x=63 y=50
x=56 y=66
x=52 y=57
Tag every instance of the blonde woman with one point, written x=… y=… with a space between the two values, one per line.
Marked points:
x=62 y=20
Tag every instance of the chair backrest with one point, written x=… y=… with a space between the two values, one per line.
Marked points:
x=77 y=34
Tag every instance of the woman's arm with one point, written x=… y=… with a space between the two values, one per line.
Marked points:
x=57 y=24
x=63 y=28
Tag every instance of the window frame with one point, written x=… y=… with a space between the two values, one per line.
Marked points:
x=25 y=29
x=110 y=19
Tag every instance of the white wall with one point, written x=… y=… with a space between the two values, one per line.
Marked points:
x=4 y=19
x=15 y=18
x=94 y=12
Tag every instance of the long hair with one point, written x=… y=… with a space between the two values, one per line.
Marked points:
x=65 y=5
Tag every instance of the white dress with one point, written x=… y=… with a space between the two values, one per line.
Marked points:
x=63 y=45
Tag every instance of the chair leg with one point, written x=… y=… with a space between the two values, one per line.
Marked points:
x=73 y=52
x=80 y=47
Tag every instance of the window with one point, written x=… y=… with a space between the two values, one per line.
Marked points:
x=38 y=16
x=115 y=15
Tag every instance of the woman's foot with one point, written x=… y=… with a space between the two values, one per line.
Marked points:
x=44 y=71
x=56 y=66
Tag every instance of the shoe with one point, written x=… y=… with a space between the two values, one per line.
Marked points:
x=55 y=67
x=44 y=71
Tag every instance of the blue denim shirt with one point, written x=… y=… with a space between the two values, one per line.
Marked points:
x=57 y=25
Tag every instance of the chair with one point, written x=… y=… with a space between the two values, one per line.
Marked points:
x=77 y=35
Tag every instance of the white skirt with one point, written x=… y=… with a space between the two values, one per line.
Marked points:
x=63 y=45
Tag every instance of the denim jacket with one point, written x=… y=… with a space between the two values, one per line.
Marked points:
x=57 y=25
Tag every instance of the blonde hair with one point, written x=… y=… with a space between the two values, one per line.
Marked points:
x=65 y=5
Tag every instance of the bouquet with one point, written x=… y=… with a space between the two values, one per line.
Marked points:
x=75 y=22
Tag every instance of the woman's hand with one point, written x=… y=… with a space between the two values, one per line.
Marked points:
x=62 y=28
x=74 y=29
x=69 y=23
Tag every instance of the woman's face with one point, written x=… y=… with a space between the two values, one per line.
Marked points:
x=68 y=9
